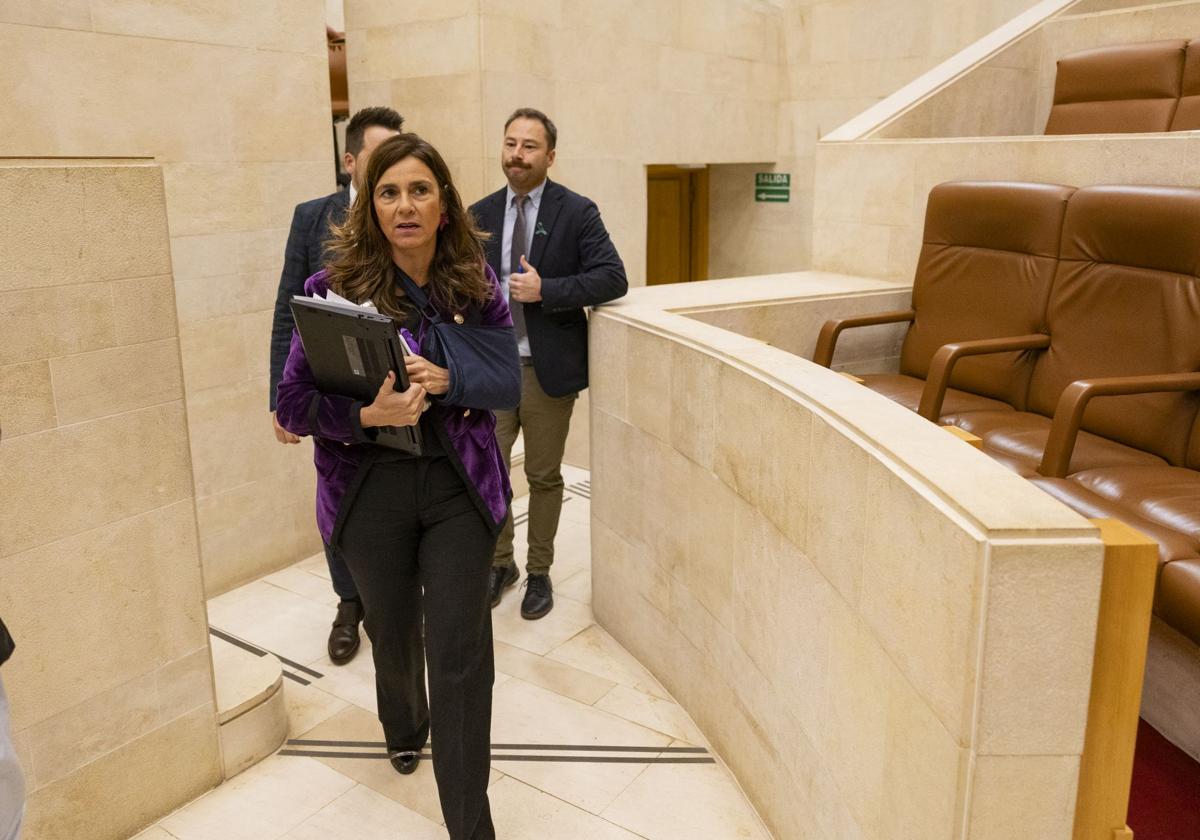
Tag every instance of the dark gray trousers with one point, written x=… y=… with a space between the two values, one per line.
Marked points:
x=418 y=548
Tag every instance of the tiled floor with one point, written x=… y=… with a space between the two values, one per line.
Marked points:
x=561 y=683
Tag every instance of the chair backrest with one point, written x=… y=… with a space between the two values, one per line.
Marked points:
x=985 y=270
x=1187 y=115
x=1126 y=302
x=1118 y=89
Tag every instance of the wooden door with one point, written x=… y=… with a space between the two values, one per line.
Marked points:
x=676 y=225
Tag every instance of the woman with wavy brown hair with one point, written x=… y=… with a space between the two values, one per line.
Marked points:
x=417 y=532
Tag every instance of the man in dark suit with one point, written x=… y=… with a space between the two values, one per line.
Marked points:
x=303 y=258
x=554 y=258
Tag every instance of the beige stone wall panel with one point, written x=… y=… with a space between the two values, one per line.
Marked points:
x=59 y=14
x=268 y=518
x=1044 y=785
x=92 y=385
x=133 y=590
x=26 y=399
x=852 y=237
x=278 y=25
x=143 y=452
x=1040 y=598
x=364 y=14
x=111 y=798
x=143 y=309
x=845 y=669
x=64 y=743
x=58 y=321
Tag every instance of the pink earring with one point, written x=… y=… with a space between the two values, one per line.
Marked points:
x=445 y=220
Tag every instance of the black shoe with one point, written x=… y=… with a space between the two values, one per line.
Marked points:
x=502 y=578
x=539 y=597
x=404 y=761
x=343 y=638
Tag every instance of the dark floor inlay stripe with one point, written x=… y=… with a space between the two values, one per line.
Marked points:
x=577 y=759
x=234 y=640
x=307 y=742
x=295 y=678
x=607 y=759
x=300 y=667
x=258 y=651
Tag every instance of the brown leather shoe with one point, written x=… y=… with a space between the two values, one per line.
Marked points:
x=343 y=638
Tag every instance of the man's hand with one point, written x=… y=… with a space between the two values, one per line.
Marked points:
x=281 y=434
x=392 y=407
x=525 y=286
x=435 y=380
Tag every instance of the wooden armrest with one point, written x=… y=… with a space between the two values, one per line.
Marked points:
x=965 y=436
x=1068 y=414
x=827 y=340
x=941 y=366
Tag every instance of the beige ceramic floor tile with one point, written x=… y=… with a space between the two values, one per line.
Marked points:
x=555 y=676
x=543 y=635
x=595 y=651
x=577 y=587
x=574 y=475
x=315 y=565
x=306 y=584
x=262 y=803
x=577 y=512
x=683 y=802
x=655 y=713
x=363 y=814
x=154 y=833
x=521 y=812
x=353 y=682
x=525 y=714
x=417 y=792
x=308 y=705
x=241 y=677
x=280 y=621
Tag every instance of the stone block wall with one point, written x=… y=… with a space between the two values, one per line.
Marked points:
x=882 y=632
x=232 y=99
x=100 y=579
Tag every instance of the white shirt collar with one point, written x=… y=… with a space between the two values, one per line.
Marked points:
x=353 y=193
x=535 y=195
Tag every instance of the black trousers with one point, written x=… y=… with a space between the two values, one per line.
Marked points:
x=419 y=548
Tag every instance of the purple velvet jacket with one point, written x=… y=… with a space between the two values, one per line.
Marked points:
x=341 y=445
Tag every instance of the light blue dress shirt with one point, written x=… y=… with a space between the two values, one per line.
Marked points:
x=510 y=219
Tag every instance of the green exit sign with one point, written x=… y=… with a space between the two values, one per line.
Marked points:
x=772 y=186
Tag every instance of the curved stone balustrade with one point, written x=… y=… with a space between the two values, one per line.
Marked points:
x=881 y=631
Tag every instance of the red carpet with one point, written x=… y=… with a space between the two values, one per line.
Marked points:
x=1164 y=803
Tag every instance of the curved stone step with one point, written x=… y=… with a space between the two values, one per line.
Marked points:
x=250 y=708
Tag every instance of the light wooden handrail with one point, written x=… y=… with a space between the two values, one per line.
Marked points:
x=1122 y=634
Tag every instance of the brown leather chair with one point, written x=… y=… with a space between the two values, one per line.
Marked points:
x=1107 y=417
x=985 y=269
x=1118 y=89
x=1187 y=114
x=1125 y=302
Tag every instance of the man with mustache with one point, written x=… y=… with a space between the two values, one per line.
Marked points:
x=554 y=257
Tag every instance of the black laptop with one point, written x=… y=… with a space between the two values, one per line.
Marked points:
x=350 y=351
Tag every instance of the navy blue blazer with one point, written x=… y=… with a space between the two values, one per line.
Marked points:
x=579 y=266
x=303 y=257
